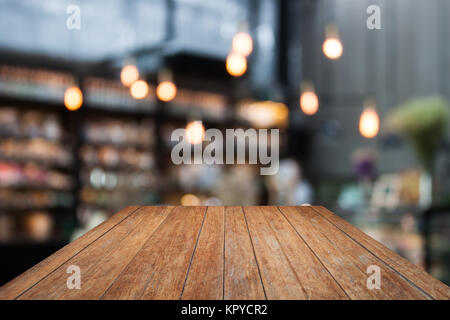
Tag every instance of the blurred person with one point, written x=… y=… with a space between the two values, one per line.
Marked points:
x=288 y=187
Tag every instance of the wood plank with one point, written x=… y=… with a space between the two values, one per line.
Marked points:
x=279 y=280
x=18 y=285
x=159 y=269
x=110 y=266
x=89 y=260
x=225 y=253
x=313 y=278
x=346 y=260
x=205 y=278
x=101 y=275
x=417 y=275
x=241 y=276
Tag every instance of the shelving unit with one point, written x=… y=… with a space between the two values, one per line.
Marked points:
x=111 y=153
x=118 y=165
x=36 y=177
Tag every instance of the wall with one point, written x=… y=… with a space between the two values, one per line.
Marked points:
x=408 y=57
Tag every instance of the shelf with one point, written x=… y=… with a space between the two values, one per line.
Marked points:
x=40 y=162
x=125 y=169
x=33 y=187
x=34 y=208
x=117 y=110
x=124 y=145
x=27 y=137
x=24 y=102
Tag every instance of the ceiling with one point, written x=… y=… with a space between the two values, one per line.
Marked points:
x=116 y=27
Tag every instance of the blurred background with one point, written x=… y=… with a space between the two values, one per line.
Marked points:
x=90 y=92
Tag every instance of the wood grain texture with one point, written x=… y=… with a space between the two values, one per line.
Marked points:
x=110 y=266
x=241 y=279
x=417 y=275
x=89 y=261
x=346 y=260
x=289 y=268
x=17 y=286
x=101 y=264
x=205 y=277
x=159 y=269
x=315 y=279
x=279 y=280
x=225 y=253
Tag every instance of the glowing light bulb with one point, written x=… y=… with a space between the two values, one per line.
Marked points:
x=190 y=200
x=129 y=75
x=309 y=103
x=242 y=44
x=195 y=132
x=236 y=64
x=369 y=123
x=332 y=48
x=139 y=89
x=73 y=98
x=166 y=91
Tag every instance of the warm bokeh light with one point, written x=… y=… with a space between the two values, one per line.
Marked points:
x=309 y=103
x=73 y=98
x=332 y=48
x=190 y=200
x=195 y=132
x=369 y=123
x=236 y=64
x=39 y=225
x=129 y=75
x=139 y=89
x=242 y=44
x=264 y=114
x=166 y=91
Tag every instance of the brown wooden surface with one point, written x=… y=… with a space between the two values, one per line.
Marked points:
x=225 y=253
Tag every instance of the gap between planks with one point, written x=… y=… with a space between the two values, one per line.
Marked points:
x=289 y=269
x=424 y=282
x=100 y=262
x=346 y=259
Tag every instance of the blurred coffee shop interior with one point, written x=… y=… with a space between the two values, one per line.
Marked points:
x=90 y=92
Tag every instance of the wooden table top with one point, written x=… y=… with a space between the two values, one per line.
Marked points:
x=225 y=253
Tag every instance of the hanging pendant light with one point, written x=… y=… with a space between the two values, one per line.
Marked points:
x=195 y=132
x=166 y=90
x=236 y=64
x=332 y=46
x=309 y=103
x=242 y=44
x=73 y=98
x=139 y=89
x=369 y=123
x=241 y=47
x=129 y=73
